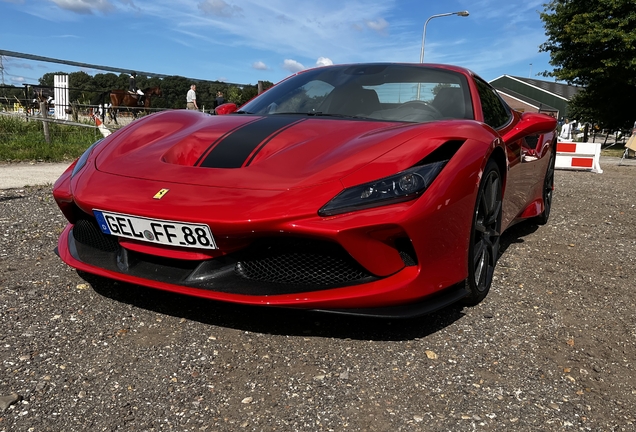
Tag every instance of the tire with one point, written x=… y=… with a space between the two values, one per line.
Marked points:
x=548 y=189
x=484 y=235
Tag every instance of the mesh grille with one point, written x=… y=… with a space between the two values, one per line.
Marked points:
x=407 y=259
x=299 y=262
x=406 y=251
x=88 y=233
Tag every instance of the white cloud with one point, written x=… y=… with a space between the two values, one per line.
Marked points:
x=293 y=66
x=18 y=80
x=259 y=65
x=85 y=7
x=323 y=61
x=284 y=27
x=380 y=25
x=220 y=8
x=131 y=4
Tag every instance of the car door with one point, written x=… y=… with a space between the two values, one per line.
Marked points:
x=498 y=115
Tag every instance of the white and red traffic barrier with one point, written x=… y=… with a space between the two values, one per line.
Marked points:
x=578 y=156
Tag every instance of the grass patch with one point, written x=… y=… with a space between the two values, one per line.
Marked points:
x=615 y=151
x=22 y=140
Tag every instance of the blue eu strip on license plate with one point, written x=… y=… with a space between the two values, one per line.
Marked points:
x=165 y=232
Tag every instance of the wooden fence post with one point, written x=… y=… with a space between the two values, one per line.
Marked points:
x=45 y=124
x=75 y=111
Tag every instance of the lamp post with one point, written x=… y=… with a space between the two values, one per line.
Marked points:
x=460 y=13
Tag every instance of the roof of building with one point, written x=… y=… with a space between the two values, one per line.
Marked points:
x=525 y=99
x=565 y=91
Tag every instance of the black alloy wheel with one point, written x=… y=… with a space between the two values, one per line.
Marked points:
x=484 y=235
x=548 y=189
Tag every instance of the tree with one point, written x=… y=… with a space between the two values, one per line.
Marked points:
x=593 y=44
x=81 y=87
x=48 y=78
x=10 y=95
x=105 y=81
x=174 y=89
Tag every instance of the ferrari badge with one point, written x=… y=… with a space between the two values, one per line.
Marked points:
x=161 y=193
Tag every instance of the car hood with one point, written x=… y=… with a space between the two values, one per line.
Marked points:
x=278 y=152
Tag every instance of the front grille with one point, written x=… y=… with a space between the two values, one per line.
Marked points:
x=269 y=266
x=298 y=261
x=87 y=232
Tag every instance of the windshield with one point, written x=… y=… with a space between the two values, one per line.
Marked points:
x=390 y=92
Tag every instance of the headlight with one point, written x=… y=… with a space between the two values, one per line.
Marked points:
x=83 y=158
x=400 y=187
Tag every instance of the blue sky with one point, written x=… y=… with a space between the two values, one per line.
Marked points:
x=244 y=41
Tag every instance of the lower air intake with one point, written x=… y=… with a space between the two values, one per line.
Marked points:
x=299 y=262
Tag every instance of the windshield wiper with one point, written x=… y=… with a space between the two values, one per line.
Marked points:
x=318 y=114
x=322 y=114
x=291 y=113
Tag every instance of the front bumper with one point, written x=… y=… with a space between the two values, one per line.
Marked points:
x=217 y=279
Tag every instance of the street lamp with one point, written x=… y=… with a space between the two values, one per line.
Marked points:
x=460 y=13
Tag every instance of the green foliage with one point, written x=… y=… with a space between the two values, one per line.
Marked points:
x=105 y=81
x=593 y=44
x=10 y=95
x=24 y=140
x=174 y=89
x=267 y=84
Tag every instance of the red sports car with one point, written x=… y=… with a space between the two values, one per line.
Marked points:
x=378 y=189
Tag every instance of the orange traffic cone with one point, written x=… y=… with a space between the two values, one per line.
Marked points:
x=100 y=125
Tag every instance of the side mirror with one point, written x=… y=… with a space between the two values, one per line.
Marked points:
x=226 y=108
x=531 y=124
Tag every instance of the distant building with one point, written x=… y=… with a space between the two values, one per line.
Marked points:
x=527 y=94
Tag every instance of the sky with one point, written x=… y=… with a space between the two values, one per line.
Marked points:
x=244 y=41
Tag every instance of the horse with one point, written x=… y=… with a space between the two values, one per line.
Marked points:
x=41 y=94
x=125 y=99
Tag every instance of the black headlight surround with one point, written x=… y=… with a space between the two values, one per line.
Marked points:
x=400 y=187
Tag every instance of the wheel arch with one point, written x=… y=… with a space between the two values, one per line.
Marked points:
x=499 y=156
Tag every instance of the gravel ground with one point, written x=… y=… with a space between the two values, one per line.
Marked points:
x=551 y=348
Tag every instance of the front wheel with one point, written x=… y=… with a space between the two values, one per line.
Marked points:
x=484 y=235
x=548 y=190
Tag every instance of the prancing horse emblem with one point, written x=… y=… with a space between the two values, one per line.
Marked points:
x=161 y=193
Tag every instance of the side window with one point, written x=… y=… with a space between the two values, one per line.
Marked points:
x=496 y=112
x=531 y=141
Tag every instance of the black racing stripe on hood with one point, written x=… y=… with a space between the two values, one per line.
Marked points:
x=211 y=146
x=232 y=150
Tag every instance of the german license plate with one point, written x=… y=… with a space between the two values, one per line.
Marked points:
x=165 y=232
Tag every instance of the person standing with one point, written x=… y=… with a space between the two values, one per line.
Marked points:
x=220 y=100
x=132 y=87
x=191 y=98
x=566 y=131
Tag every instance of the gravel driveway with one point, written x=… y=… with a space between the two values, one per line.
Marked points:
x=553 y=346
